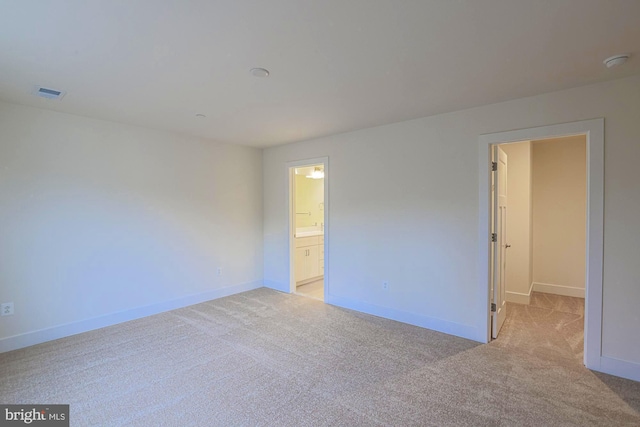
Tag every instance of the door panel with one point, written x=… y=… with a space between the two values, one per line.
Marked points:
x=500 y=245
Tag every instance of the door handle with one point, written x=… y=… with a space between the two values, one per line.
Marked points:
x=507 y=246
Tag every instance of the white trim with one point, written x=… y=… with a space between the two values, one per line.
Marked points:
x=290 y=221
x=569 y=291
x=276 y=286
x=440 y=325
x=43 y=335
x=620 y=368
x=594 y=131
x=519 y=297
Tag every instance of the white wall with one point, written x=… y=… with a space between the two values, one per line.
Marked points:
x=519 y=262
x=413 y=221
x=102 y=222
x=559 y=219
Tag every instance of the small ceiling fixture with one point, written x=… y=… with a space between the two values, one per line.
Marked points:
x=317 y=173
x=259 y=72
x=48 y=93
x=200 y=116
x=614 y=60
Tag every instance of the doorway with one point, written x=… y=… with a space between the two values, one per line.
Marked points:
x=308 y=228
x=541 y=217
x=593 y=131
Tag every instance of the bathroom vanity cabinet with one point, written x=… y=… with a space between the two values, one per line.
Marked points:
x=309 y=259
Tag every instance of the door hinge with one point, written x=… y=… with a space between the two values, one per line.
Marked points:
x=494 y=166
x=494 y=237
x=493 y=307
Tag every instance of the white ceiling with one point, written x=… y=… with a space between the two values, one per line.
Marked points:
x=335 y=65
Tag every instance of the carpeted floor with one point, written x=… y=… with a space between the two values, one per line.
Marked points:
x=272 y=359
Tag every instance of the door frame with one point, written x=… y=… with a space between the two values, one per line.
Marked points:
x=594 y=132
x=291 y=214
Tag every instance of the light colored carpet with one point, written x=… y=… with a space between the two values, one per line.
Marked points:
x=272 y=359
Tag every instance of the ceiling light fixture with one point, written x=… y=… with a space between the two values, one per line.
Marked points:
x=614 y=60
x=317 y=173
x=200 y=116
x=259 y=72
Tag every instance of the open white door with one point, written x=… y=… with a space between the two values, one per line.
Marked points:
x=499 y=300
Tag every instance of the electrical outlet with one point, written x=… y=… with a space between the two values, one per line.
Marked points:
x=385 y=286
x=6 y=309
x=219 y=271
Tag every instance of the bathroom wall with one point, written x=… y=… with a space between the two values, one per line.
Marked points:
x=309 y=198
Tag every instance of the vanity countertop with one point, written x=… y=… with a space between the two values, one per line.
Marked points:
x=309 y=233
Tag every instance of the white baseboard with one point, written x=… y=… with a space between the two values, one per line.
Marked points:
x=445 y=326
x=519 y=297
x=43 y=335
x=558 y=289
x=278 y=286
x=619 y=368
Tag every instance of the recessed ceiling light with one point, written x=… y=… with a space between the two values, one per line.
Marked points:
x=259 y=72
x=614 y=60
x=200 y=116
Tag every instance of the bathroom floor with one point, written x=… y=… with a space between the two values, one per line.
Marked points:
x=313 y=290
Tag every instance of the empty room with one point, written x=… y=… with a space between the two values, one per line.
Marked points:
x=288 y=213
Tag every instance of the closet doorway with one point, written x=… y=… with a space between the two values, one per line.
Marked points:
x=541 y=246
x=593 y=131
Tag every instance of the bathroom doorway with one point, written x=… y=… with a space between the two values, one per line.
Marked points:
x=308 y=220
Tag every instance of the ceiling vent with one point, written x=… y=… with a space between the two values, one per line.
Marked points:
x=48 y=93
